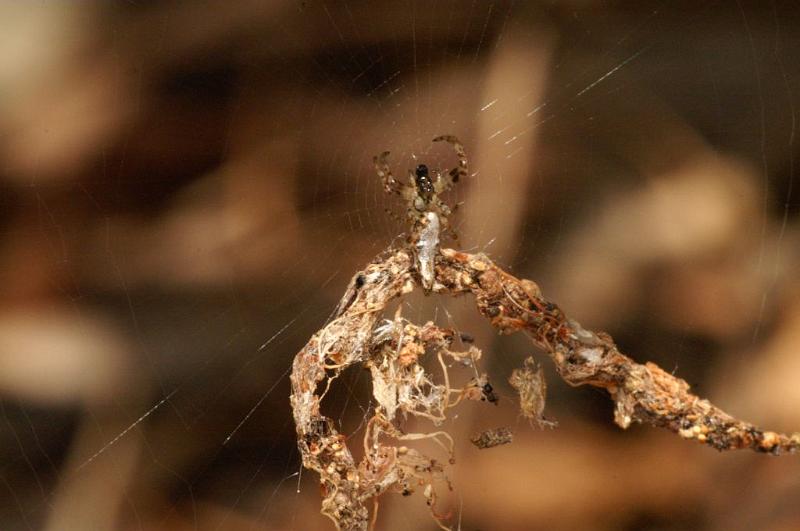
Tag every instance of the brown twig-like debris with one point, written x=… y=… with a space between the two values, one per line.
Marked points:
x=642 y=392
x=392 y=350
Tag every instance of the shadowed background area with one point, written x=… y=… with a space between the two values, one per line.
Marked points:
x=186 y=189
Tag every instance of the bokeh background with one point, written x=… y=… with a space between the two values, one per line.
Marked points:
x=186 y=189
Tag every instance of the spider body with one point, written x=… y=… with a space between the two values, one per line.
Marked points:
x=428 y=214
x=425 y=188
x=422 y=190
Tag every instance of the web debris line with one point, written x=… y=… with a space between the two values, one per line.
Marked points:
x=255 y=407
x=122 y=434
x=276 y=334
x=248 y=483
x=762 y=131
x=541 y=106
x=21 y=447
x=610 y=73
x=791 y=145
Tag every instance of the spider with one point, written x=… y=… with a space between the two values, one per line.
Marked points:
x=427 y=213
x=422 y=191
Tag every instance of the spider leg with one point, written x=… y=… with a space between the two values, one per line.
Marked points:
x=410 y=195
x=390 y=184
x=449 y=230
x=453 y=210
x=462 y=170
x=452 y=232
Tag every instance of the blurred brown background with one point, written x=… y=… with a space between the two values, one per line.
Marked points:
x=186 y=189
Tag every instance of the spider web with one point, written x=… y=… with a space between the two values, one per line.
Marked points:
x=189 y=188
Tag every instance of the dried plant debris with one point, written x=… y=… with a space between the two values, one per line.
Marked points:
x=393 y=349
x=479 y=388
x=531 y=387
x=491 y=438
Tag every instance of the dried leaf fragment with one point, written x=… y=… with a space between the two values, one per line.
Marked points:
x=530 y=384
x=491 y=438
